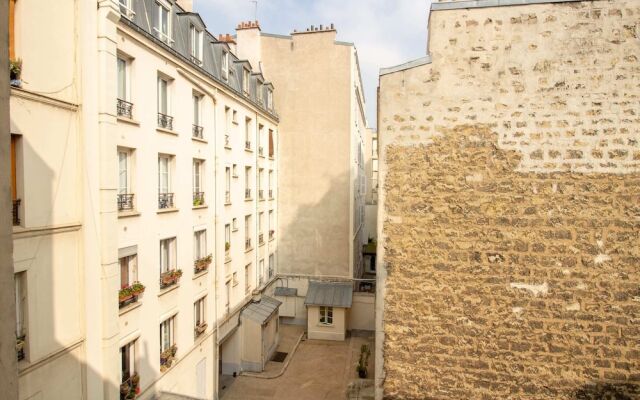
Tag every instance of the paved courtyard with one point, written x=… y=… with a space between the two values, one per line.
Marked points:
x=319 y=369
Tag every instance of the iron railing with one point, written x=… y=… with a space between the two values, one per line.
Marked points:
x=261 y=238
x=247 y=193
x=15 y=212
x=198 y=198
x=226 y=141
x=271 y=193
x=165 y=200
x=247 y=145
x=227 y=197
x=247 y=243
x=125 y=109
x=165 y=121
x=125 y=201
x=197 y=131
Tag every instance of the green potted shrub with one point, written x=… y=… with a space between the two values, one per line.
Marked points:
x=364 y=361
x=15 y=72
x=227 y=246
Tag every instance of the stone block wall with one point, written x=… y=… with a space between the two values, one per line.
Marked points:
x=510 y=207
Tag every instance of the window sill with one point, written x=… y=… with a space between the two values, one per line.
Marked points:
x=169 y=289
x=200 y=207
x=249 y=250
x=197 y=139
x=227 y=203
x=248 y=150
x=234 y=176
x=248 y=199
x=271 y=158
x=235 y=122
x=260 y=155
x=200 y=274
x=261 y=244
x=234 y=230
x=261 y=199
x=272 y=239
x=130 y=307
x=271 y=198
x=227 y=260
x=322 y=324
x=128 y=121
x=167 y=210
x=127 y=214
x=234 y=284
x=227 y=147
x=167 y=131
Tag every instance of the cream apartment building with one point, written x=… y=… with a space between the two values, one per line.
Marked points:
x=145 y=201
x=322 y=132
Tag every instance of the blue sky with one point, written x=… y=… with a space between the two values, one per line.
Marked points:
x=385 y=32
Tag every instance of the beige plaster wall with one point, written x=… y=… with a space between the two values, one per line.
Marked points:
x=362 y=313
x=337 y=331
x=509 y=166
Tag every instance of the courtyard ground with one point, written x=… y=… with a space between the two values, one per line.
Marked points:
x=319 y=369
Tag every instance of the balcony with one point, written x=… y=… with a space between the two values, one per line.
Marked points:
x=124 y=109
x=125 y=202
x=261 y=194
x=165 y=200
x=170 y=278
x=202 y=264
x=247 y=244
x=167 y=357
x=197 y=131
x=165 y=121
x=261 y=151
x=198 y=199
x=129 y=294
x=20 y=343
x=15 y=212
x=227 y=197
x=261 y=238
x=247 y=145
x=129 y=388
x=199 y=329
x=272 y=234
x=247 y=194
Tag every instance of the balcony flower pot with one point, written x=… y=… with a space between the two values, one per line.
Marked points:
x=227 y=246
x=19 y=345
x=125 y=294
x=137 y=288
x=201 y=328
x=15 y=72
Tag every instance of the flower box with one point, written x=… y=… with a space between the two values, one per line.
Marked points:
x=199 y=329
x=129 y=294
x=202 y=264
x=167 y=357
x=170 y=278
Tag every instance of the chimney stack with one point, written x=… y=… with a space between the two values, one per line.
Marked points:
x=320 y=28
x=248 y=25
x=226 y=38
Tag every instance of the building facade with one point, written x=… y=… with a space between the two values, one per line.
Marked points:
x=509 y=170
x=321 y=163
x=145 y=196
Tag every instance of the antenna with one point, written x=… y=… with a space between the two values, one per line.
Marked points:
x=255 y=9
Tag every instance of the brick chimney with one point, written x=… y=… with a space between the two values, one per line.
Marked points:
x=228 y=39
x=186 y=5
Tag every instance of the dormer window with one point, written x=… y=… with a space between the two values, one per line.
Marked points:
x=163 y=28
x=125 y=9
x=196 y=45
x=225 y=64
x=245 y=81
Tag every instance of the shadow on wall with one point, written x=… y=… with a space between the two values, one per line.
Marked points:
x=608 y=391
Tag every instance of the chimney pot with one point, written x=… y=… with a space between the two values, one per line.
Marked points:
x=320 y=26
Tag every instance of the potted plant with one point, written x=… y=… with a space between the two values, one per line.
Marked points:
x=227 y=246
x=125 y=294
x=364 y=361
x=137 y=288
x=197 y=202
x=15 y=72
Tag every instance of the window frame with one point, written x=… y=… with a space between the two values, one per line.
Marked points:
x=225 y=64
x=196 y=36
x=167 y=95
x=130 y=350
x=170 y=256
x=199 y=311
x=131 y=269
x=168 y=326
x=197 y=176
x=165 y=37
x=199 y=244
x=325 y=315
x=168 y=174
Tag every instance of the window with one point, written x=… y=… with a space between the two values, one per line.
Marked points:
x=235 y=279
x=197 y=125
x=125 y=9
x=12 y=45
x=261 y=271
x=227 y=185
x=167 y=333
x=15 y=142
x=200 y=244
x=123 y=81
x=271 y=148
x=125 y=192
x=198 y=190
x=271 y=266
x=269 y=99
x=260 y=140
x=234 y=118
x=247 y=133
x=20 y=282
x=247 y=232
x=260 y=227
x=271 y=184
x=235 y=171
x=128 y=361
x=271 y=225
x=245 y=81
x=196 y=45
x=260 y=183
x=227 y=299
x=167 y=255
x=165 y=197
x=247 y=183
x=164 y=120
x=128 y=270
x=259 y=91
x=247 y=281
x=235 y=224
x=199 y=322
x=163 y=28
x=326 y=315
x=225 y=64
x=227 y=239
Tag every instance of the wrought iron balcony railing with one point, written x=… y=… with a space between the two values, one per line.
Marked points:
x=197 y=131
x=165 y=121
x=261 y=238
x=125 y=109
x=125 y=201
x=165 y=200
x=15 y=212
x=198 y=198
x=247 y=193
x=247 y=145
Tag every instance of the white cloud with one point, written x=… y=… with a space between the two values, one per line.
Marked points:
x=385 y=32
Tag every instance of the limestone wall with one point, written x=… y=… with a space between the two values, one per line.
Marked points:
x=510 y=217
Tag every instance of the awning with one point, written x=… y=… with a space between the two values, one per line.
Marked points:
x=261 y=311
x=330 y=294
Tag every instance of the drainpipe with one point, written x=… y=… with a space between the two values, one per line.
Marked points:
x=216 y=354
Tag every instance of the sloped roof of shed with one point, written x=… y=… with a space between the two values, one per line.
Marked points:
x=331 y=294
x=261 y=311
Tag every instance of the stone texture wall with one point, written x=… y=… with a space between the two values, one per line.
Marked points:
x=510 y=236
